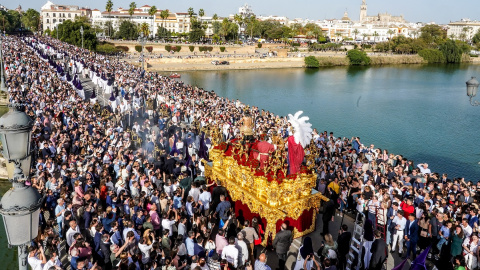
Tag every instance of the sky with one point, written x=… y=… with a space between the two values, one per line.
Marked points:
x=438 y=11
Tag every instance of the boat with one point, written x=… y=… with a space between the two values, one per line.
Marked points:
x=175 y=75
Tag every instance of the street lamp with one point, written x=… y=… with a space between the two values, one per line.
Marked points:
x=81 y=32
x=142 y=41
x=20 y=206
x=472 y=88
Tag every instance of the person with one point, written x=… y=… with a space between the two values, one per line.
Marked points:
x=470 y=247
x=305 y=255
x=330 y=244
x=250 y=237
x=411 y=236
x=457 y=241
x=261 y=263
x=343 y=241
x=281 y=243
x=399 y=224
x=230 y=253
x=36 y=257
x=379 y=251
x=444 y=235
x=327 y=216
x=459 y=263
x=247 y=127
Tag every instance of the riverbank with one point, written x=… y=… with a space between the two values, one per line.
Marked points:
x=243 y=63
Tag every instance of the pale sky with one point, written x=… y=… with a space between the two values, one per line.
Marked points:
x=439 y=11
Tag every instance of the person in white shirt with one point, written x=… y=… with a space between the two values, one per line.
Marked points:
x=467 y=230
x=71 y=232
x=54 y=261
x=145 y=248
x=400 y=223
x=167 y=223
x=424 y=168
x=35 y=260
x=205 y=199
x=230 y=252
x=243 y=248
x=195 y=191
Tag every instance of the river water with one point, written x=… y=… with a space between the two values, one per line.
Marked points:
x=419 y=111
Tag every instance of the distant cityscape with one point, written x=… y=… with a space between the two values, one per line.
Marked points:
x=369 y=28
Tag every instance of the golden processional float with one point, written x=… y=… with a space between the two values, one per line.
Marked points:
x=257 y=178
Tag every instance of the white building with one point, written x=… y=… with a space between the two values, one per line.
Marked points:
x=465 y=29
x=139 y=16
x=245 y=11
x=53 y=14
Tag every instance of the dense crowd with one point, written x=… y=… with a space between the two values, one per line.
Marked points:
x=125 y=189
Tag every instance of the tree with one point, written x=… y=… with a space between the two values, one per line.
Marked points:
x=201 y=13
x=152 y=12
x=433 y=34
x=375 y=35
x=215 y=17
x=451 y=51
x=311 y=62
x=108 y=8
x=70 y=32
x=164 y=15
x=163 y=33
x=131 y=9
x=190 y=12
x=252 y=26
x=476 y=38
x=196 y=30
x=338 y=35
x=31 y=19
x=108 y=28
x=127 y=30
x=145 y=29
x=390 y=32
x=364 y=35
x=357 y=57
x=356 y=32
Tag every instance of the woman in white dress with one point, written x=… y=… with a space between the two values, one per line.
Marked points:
x=305 y=253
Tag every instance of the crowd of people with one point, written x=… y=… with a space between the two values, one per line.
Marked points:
x=124 y=182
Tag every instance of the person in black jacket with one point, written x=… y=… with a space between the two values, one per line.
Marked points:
x=282 y=243
x=343 y=246
x=105 y=250
x=379 y=252
x=328 y=213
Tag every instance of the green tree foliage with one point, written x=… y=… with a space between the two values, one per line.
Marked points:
x=191 y=48
x=107 y=48
x=31 y=19
x=311 y=62
x=138 y=48
x=358 y=57
x=123 y=48
x=476 y=39
x=259 y=45
x=433 y=34
x=228 y=29
x=69 y=32
x=222 y=49
x=163 y=33
x=432 y=55
x=108 y=28
x=131 y=9
x=168 y=48
x=127 y=30
x=196 y=30
x=145 y=29
x=452 y=53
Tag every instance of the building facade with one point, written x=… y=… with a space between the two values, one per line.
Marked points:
x=464 y=29
x=53 y=14
x=384 y=18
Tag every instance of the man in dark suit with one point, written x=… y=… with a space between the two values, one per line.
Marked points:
x=282 y=243
x=466 y=197
x=343 y=246
x=379 y=252
x=411 y=235
x=391 y=214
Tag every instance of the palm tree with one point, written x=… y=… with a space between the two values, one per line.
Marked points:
x=356 y=32
x=338 y=35
x=375 y=35
x=238 y=19
x=164 y=15
x=152 y=12
x=108 y=8
x=364 y=35
x=132 y=8
x=201 y=13
x=452 y=36
x=215 y=17
x=145 y=29
x=190 y=12
x=390 y=32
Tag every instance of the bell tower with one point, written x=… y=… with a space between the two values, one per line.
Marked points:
x=363 y=11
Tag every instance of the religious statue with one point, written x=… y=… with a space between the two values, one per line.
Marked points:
x=247 y=127
x=302 y=134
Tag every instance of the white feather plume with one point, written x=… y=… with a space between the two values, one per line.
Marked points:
x=302 y=129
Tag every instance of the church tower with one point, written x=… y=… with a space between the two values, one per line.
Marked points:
x=363 y=11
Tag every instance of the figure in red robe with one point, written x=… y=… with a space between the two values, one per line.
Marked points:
x=265 y=149
x=295 y=155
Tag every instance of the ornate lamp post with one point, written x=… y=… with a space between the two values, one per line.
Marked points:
x=472 y=88
x=81 y=32
x=20 y=206
x=142 y=40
